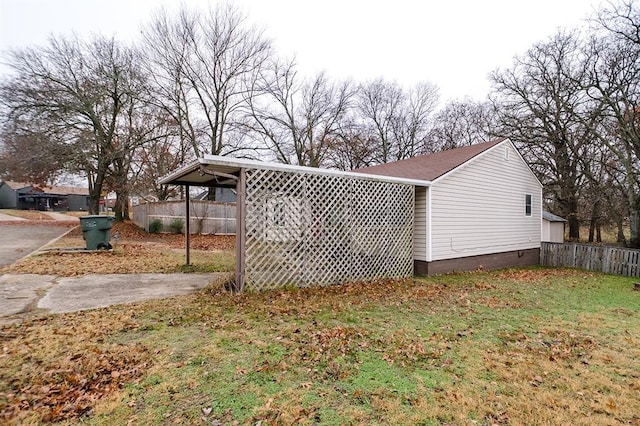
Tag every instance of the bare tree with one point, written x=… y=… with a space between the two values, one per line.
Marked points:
x=543 y=110
x=79 y=92
x=29 y=154
x=621 y=19
x=140 y=126
x=204 y=65
x=158 y=158
x=399 y=119
x=412 y=125
x=612 y=64
x=379 y=105
x=462 y=123
x=352 y=148
x=297 y=119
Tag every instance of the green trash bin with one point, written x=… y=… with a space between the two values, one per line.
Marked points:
x=96 y=231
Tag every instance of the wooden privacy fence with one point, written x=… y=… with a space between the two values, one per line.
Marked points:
x=611 y=260
x=207 y=217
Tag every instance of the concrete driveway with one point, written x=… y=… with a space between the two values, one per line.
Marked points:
x=25 y=293
x=19 y=238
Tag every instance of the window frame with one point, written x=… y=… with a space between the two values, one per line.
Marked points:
x=528 y=205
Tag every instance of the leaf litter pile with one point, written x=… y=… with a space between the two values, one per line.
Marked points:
x=60 y=369
x=135 y=251
x=527 y=346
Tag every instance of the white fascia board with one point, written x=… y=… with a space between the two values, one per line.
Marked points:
x=253 y=164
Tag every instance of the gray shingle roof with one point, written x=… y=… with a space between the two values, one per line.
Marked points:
x=552 y=217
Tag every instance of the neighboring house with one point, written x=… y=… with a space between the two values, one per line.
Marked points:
x=223 y=195
x=552 y=228
x=463 y=209
x=483 y=209
x=9 y=193
x=26 y=196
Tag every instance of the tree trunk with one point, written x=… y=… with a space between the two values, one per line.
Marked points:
x=574 y=227
x=568 y=203
x=634 y=225
x=574 y=221
x=621 y=238
x=121 y=206
x=595 y=221
x=94 y=201
x=95 y=192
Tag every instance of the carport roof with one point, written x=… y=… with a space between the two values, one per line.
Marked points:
x=215 y=170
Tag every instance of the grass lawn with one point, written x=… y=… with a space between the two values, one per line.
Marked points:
x=529 y=346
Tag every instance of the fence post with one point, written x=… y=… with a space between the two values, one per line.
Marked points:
x=188 y=226
x=240 y=229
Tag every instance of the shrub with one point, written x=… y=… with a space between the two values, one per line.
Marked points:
x=177 y=225
x=155 y=226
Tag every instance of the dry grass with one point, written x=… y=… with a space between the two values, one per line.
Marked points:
x=79 y=214
x=609 y=234
x=528 y=346
x=32 y=215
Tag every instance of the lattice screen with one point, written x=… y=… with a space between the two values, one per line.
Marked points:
x=305 y=229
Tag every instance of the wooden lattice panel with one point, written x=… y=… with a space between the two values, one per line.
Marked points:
x=305 y=229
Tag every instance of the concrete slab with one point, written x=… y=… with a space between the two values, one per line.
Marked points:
x=18 y=239
x=18 y=292
x=9 y=218
x=98 y=291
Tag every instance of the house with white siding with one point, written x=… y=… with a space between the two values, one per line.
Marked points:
x=476 y=207
x=482 y=209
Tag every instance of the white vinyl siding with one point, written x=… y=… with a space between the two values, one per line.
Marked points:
x=478 y=207
x=552 y=231
x=420 y=225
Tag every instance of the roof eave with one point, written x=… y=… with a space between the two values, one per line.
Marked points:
x=177 y=177
x=173 y=177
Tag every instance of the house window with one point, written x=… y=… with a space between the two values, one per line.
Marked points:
x=527 y=205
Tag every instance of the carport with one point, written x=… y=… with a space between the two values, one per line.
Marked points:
x=303 y=226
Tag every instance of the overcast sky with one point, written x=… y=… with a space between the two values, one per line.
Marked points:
x=452 y=43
